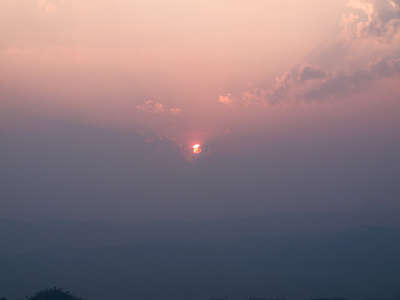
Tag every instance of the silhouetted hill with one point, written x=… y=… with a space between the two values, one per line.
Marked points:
x=358 y=263
x=21 y=237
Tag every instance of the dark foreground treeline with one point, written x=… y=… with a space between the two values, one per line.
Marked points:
x=51 y=294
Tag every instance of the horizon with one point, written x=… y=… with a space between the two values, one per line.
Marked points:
x=365 y=207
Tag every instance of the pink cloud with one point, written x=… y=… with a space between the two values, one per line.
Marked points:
x=155 y=107
x=228 y=99
x=175 y=111
x=255 y=96
x=280 y=91
x=151 y=107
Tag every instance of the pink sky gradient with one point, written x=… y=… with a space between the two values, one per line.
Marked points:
x=101 y=62
x=234 y=76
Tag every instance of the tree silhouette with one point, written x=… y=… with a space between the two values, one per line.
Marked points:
x=53 y=294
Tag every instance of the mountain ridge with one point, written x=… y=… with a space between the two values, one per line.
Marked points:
x=356 y=263
x=20 y=237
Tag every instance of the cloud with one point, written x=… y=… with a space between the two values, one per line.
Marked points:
x=151 y=107
x=175 y=111
x=45 y=6
x=165 y=147
x=309 y=72
x=280 y=91
x=379 y=21
x=313 y=83
x=386 y=67
x=155 y=107
x=345 y=82
x=376 y=21
x=339 y=84
x=255 y=96
x=228 y=100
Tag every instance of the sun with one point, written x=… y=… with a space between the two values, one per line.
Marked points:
x=196 y=148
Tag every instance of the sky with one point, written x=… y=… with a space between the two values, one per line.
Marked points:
x=295 y=106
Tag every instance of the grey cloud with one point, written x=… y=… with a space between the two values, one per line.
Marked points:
x=165 y=148
x=308 y=72
x=315 y=84
x=386 y=67
x=341 y=84
x=376 y=20
x=382 y=23
x=281 y=88
x=346 y=83
x=385 y=19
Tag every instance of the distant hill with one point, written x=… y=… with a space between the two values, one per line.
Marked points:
x=20 y=237
x=358 y=263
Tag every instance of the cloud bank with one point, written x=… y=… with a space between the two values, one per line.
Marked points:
x=377 y=23
x=379 y=20
x=312 y=83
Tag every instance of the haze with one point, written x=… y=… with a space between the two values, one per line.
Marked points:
x=295 y=105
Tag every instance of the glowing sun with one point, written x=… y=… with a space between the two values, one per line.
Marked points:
x=196 y=148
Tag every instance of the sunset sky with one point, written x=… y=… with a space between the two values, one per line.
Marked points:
x=295 y=105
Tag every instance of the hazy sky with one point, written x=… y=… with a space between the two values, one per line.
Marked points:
x=296 y=106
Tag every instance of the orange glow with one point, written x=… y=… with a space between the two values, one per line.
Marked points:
x=196 y=148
